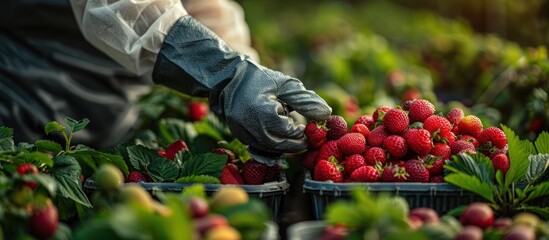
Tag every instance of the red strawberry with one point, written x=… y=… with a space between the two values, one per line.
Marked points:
x=469 y=138
x=273 y=173
x=501 y=162
x=367 y=120
x=230 y=175
x=351 y=143
x=28 y=168
x=394 y=173
x=396 y=146
x=337 y=127
x=360 y=128
x=327 y=171
x=471 y=125
x=454 y=115
x=375 y=154
x=197 y=110
x=416 y=170
x=406 y=105
x=435 y=165
x=316 y=134
x=353 y=162
x=175 y=147
x=44 y=221
x=441 y=150
x=377 y=136
x=330 y=148
x=310 y=159
x=379 y=113
x=229 y=153
x=396 y=121
x=419 y=140
x=462 y=146
x=253 y=172
x=420 y=110
x=438 y=126
x=161 y=153
x=493 y=135
x=437 y=179
x=365 y=174
x=137 y=176
x=498 y=151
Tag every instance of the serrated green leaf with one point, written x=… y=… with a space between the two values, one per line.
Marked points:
x=204 y=164
x=172 y=129
x=99 y=158
x=472 y=184
x=476 y=165
x=48 y=146
x=66 y=207
x=238 y=148
x=36 y=158
x=204 y=179
x=542 y=143
x=537 y=167
x=204 y=128
x=67 y=173
x=518 y=156
x=6 y=139
x=45 y=181
x=195 y=190
x=24 y=146
x=538 y=191
x=202 y=144
x=75 y=125
x=141 y=157
x=54 y=127
x=162 y=170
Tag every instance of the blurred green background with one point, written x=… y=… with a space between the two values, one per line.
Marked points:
x=488 y=57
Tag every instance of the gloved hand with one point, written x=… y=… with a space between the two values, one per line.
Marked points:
x=255 y=101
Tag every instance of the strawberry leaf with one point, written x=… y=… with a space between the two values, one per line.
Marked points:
x=66 y=171
x=173 y=129
x=540 y=190
x=76 y=125
x=542 y=143
x=195 y=190
x=476 y=165
x=472 y=184
x=537 y=168
x=162 y=170
x=204 y=164
x=141 y=157
x=204 y=179
x=36 y=158
x=89 y=159
x=53 y=127
x=48 y=146
x=519 y=150
x=6 y=139
x=206 y=129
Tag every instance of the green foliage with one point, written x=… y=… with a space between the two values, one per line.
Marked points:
x=542 y=143
x=66 y=171
x=204 y=164
x=162 y=170
x=204 y=179
x=6 y=139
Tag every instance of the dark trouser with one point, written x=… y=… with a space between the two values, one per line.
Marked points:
x=43 y=81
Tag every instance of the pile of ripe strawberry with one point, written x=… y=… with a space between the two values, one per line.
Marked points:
x=408 y=143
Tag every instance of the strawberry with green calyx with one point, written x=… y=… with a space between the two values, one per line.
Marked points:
x=441 y=150
x=351 y=143
x=337 y=127
x=434 y=164
x=419 y=140
x=230 y=175
x=377 y=136
x=328 y=170
x=396 y=146
x=492 y=137
x=360 y=128
x=455 y=115
x=353 y=162
x=416 y=170
x=394 y=173
x=316 y=132
x=462 y=146
x=439 y=127
x=174 y=148
x=330 y=148
x=28 y=168
x=253 y=172
x=501 y=162
x=470 y=139
x=374 y=155
x=420 y=110
x=396 y=121
x=230 y=155
x=44 y=220
x=367 y=120
x=379 y=113
x=471 y=125
x=197 y=110
x=365 y=174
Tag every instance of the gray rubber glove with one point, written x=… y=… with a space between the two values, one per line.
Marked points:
x=253 y=100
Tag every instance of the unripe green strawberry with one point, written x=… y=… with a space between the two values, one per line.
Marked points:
x=501 y=162
x=493 y=135
x=316 y=134
x=470 y=125
x=365 y=174
x=310 y=159
x=455 y=115
x=419 y=140
x=462 y=146
x=375 y=154
x=420 y=110
x=416 y=170
x=367 y=120
x=353 y=162
x=396 y=121
x=379 y=113
x=329 y=149
x=360 y=128
x=351 y=143
x=337 y=127
x=394 y=173
x=438 y=126
x=377 y=136
x=396 y=146
x=326 y=171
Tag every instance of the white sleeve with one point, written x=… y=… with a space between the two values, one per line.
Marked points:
x=129 y=31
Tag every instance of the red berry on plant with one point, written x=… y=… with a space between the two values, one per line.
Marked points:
x=501 y=162
x=197 y=110
x=44 y=221
x=174 y=148
x=493 y=135
x=199 y=207
x=28 y=168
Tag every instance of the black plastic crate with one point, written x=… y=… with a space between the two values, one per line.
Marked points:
x=271 y=193
x=442 y=197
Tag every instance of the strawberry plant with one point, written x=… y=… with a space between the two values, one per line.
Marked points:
x=516 y=190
